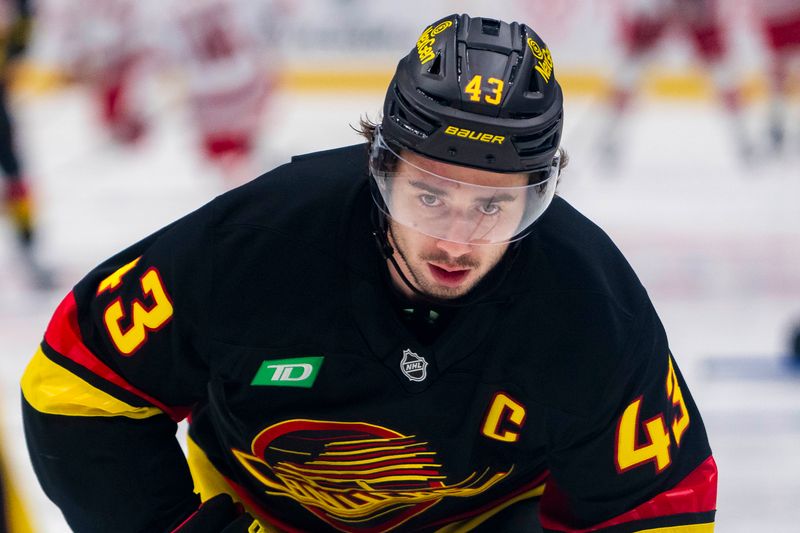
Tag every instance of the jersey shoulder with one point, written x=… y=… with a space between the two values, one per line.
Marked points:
x=300 y=202
x=580 y=257
x=312 y=187
x=584 y=310
x=291 y=212
x=275 y=248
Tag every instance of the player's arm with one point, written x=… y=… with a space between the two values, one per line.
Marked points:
x=640 y=460
x=118 y=367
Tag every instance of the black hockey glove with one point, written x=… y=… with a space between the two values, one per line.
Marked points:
x=219 y=515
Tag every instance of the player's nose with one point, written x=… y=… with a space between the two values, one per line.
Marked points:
x=453 y=249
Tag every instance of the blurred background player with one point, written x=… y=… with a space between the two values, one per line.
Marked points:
x=227 y=83
x=15 y=22
x=106 y=45
x=116 y=68
x=642 y=25
x=15 y=30
x=214 y=49
x=779 y=21
x=780 y=24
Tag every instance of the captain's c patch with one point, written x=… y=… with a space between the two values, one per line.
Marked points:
x=504 y=418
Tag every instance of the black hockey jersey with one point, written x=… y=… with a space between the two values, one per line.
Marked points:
x=266 y=319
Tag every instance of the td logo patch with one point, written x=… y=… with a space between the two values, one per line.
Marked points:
x=295 y=372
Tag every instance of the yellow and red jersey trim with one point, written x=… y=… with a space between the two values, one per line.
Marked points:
x=695 y=495
x=52 y=389
x=64 y=336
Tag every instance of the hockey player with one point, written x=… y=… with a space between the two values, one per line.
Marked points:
x=14 y=37
x=416 y=334
x=15 y=30
x=780 y=23
x=642 y=25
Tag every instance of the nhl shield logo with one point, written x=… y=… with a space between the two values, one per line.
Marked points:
x=413 y=366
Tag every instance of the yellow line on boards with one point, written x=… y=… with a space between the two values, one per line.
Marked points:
x=657 y=83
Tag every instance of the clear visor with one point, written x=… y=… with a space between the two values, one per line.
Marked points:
x=476 y=207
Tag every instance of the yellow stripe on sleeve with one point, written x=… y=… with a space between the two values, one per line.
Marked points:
x=54 y=390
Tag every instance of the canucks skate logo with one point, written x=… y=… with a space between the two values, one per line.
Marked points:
x=355 y=476
x=413 y=366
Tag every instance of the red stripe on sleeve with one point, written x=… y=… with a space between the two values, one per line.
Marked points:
x=697 y=493
x=64 y=336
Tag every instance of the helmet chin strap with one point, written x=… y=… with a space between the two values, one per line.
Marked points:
x=477 y=294
x=388 y=252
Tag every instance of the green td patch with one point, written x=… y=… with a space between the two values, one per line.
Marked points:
x=295 y=372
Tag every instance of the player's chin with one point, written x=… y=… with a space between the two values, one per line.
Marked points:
x=449 y=292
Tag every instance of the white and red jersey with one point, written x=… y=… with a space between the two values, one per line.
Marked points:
x=780 y=22
x=215 y=44
x=108 y=45
x=643 y=23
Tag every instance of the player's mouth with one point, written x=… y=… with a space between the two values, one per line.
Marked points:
x=447 y=275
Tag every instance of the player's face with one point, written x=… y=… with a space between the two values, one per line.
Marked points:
x=450 y=264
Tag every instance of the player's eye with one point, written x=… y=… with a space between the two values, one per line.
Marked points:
x=430 y=200
x=489 y=209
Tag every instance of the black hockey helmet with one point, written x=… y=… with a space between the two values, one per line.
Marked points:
x=477 y=92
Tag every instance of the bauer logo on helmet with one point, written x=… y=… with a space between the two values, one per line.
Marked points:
x=474 y=135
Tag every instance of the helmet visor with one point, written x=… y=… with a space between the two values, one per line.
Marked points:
x=477 y=207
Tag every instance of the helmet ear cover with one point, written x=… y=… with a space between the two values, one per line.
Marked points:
x=477 y=92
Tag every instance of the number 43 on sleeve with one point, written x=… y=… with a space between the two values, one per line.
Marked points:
x=143 y=317
x=633 y=450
